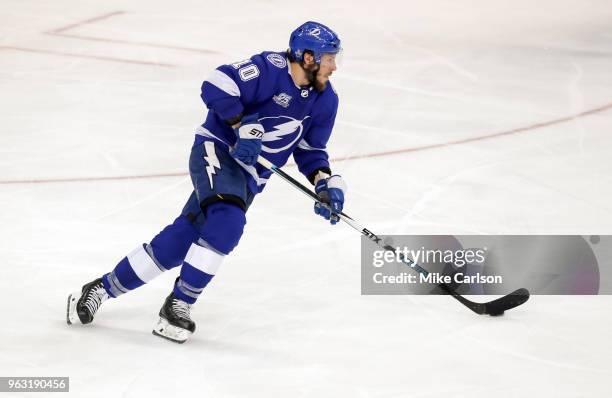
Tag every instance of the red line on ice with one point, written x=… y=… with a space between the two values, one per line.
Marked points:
x=88 y=179
x=482 y=137
x=351 y=157
x=96 y=57
x=61 y=32
x=138 y=43
x=85 y=22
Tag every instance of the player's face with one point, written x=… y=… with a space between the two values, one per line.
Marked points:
x=326 y=68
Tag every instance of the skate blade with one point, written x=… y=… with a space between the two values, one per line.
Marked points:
x=170 y=332
x=71 y=312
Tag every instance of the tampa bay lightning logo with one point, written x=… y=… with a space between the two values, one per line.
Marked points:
x=315 y=32
x=281 y=132
x=277 y=60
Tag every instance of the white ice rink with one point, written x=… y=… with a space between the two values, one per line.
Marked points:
x=456 y=117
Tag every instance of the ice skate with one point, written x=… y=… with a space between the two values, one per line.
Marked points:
x=83 y=305
x=175 y=323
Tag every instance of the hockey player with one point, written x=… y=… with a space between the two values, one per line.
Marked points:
x=274 y=105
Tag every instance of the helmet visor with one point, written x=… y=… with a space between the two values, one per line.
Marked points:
x=331 y=59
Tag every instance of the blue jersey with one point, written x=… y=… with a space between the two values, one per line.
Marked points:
x=296 y=121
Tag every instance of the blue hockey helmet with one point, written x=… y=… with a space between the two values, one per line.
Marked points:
x=316 y=37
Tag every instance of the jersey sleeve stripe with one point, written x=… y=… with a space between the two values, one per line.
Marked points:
x=223 y=82
x=306 y=146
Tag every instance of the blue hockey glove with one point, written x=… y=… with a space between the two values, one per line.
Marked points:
x=331 y=191
x=248 y=145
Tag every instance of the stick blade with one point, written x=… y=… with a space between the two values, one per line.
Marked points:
x=509 y=301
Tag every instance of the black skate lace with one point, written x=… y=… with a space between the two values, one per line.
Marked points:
x=181 y=308
x=96 y=296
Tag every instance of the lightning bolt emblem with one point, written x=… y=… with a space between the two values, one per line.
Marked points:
x=281 y=130
x=211 y=160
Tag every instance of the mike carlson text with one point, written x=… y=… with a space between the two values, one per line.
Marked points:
x=436 y=278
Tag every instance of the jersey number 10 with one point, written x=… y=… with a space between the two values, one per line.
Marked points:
x=246 y=69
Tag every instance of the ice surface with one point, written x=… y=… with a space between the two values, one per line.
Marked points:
x=500 y=113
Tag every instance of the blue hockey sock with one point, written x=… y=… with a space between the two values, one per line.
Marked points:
x=223 y=226
x=200 y=266
x=167 y=250
x=220 y=234
x=133 y=271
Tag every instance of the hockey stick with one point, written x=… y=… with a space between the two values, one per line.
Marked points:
x=493 y=308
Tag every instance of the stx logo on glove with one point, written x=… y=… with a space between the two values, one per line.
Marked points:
x=256 y=133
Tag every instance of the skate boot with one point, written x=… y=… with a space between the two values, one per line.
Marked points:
x=82 y=306
x=175 y=323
